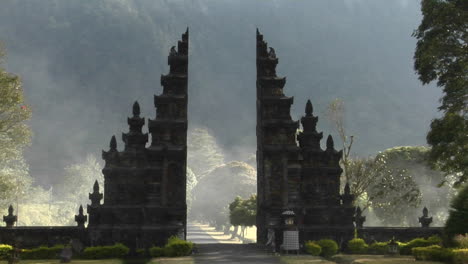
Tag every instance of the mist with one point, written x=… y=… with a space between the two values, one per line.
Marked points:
x=84 y=63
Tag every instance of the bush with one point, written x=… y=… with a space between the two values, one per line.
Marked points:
x=379 y=248
x=357 y=246
x=102 y=252
x=42 y=252
x=5 y=251
x=156 y=252
x=461 y=240
x=460 y=256
x=456 y=222
x=329 y=247
x=312 y=248
x=140 y=252
x=434 y=252
x=177 y=247
x=405 y=248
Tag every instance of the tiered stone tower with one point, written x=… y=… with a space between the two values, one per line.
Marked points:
x=277 y=176
x=304 y=178
x=144 y=187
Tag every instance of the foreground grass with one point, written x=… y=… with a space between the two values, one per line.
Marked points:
x=378 y=259
x=181 y=260
x=304 y=259
x=353 y=259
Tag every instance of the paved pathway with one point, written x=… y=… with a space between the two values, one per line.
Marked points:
x=233 y=254
x=204 y=234
x=215 y=247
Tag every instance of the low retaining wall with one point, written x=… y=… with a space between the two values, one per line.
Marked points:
x=403 y=234
x=29 y=237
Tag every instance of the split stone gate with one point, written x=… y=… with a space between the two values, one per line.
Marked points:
x=144 y=200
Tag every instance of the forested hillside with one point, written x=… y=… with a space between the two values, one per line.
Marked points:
x=84 y=63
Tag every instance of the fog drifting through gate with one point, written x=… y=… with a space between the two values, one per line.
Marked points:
x=83 y=64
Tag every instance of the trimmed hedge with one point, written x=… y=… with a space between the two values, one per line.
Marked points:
x=42 y=252
x=460 y=256
x=156 y=252
x=5 y=251
x=329 y=247
x=357 y=246
x=313 y=248
x=378 y=248
x=405 y=248
x=434 y=252
x=175 y=247
x=103 y=252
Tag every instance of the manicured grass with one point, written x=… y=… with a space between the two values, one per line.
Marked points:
x=181 y=260
x=304 y=259
x=355 y=259
x=378 y=259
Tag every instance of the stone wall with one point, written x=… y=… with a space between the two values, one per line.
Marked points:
x=400 y=233
x=29 y=237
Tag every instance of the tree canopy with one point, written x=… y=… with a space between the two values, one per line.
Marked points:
x=14 y=136
x=442 y=55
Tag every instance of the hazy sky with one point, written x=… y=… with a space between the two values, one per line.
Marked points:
x=84 y=63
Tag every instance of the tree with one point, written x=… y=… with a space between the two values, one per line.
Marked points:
x=457 y=221
x=442 y=55
x=335 y=114
x=403 y=183
x=361 y=173
x=14 y=133
x=14 y=136
x=243 y=213
x=218 y=188
x=203 y=153
x=79 y=179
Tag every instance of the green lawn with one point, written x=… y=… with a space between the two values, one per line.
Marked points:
x=354 y=259
x=378 y=259
x=304 y=259
x=181 y=260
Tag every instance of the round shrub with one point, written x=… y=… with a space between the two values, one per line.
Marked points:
x=329 y=247
x=357 y=246
x=460 y=256
x=103 y=252
x=5 y=251
x=177 y=247
x=405 y=249
x=456 y=222
x=313 y=248
x=156 y=252
x=42 y=252
x=434 y=252
x=379 y=248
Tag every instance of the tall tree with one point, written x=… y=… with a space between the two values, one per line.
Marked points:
x=14 y=136
x=335 y=114
x=203 y=152
x=79 y=179
x=442 y=55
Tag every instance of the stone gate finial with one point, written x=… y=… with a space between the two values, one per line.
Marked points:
x=309 y=109
x=330 y=144
x=113 y=143
x=80 y=219
x=425 y=220
x=10 y=219
x=95 y=197
x=136 y=109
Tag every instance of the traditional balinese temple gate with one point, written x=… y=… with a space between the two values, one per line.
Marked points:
x=145 y=187
x=303 y=178
x=144 y=201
